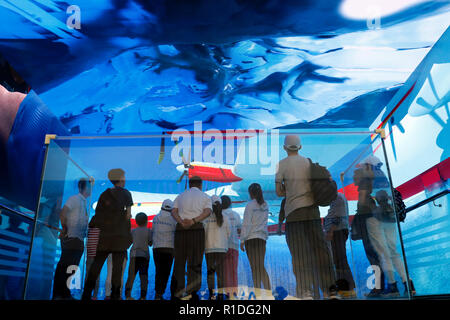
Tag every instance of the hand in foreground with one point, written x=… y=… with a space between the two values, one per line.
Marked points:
x=242 y=246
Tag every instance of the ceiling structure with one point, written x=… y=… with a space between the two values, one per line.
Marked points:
x=150 y=66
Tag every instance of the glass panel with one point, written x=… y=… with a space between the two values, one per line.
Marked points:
x=378 y=263
x=229 y=164
x=15 y=238
x=426 y=236
x=59 y=182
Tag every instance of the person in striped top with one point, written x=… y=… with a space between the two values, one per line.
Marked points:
x=91 y=250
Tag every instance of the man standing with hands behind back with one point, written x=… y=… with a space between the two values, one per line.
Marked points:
x=189 y=209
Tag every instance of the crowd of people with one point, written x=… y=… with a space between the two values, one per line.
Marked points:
x=196 y=226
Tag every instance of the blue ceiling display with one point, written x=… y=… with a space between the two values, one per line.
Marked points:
x=148 y=66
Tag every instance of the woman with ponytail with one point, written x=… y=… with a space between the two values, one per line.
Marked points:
x=254 y=235
x=217 y=232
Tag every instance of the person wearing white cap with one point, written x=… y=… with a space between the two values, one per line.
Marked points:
x=190 y=208
x=217 y=232
x=311 y=258
x=163 y=227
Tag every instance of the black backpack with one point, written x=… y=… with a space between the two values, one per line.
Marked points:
x=400 y=207
x=323 y=187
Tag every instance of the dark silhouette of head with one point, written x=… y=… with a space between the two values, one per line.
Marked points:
x=195 y=182
x=84 y=186
x=141 y=219
x=255 y=192
x=226 y=202
x=116 y=176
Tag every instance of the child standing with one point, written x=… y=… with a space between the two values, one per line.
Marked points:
x=232 y=255
x=139 y=256
x=217 y=233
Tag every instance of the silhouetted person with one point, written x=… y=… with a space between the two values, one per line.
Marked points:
x=139 y=256
x=217 y=232
x=311 y=259
x=74 y=222
x=190 y=208
x=382 y=229
x=112 y=217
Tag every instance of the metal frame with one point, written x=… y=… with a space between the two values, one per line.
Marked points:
x=48 y=139
x=27 y=272
x=396 y=220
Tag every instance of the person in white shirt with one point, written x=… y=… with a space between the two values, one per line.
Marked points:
x=254 y=234
x=139 y=256
x=74 y=222
x=190 y=208
x=232 y=255
x=311 y=259
x=217 y=233
x=163 y=227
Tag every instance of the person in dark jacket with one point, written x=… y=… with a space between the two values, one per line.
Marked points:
x=112 y=217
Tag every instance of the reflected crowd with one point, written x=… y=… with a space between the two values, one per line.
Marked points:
x=196 y=226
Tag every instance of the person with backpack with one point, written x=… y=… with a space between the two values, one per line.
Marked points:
x=113 y=218
x=311 y=258
x=254 y=235
x=217 y=232
x=232 y=255
x=382 y=230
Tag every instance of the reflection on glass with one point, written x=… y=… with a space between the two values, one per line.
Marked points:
x=368 y=265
